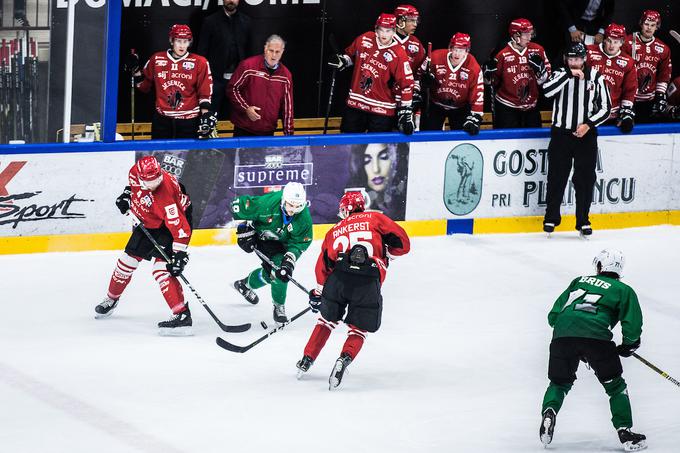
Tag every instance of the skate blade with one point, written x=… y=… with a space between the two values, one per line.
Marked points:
x=630 y=446
x=299 y=374
x=548 y=235
x=186 y=331
x=584 y=237
x=545 y=439
x=102 y=315
x=334 y=381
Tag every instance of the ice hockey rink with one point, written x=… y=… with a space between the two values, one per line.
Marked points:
x=459 y=364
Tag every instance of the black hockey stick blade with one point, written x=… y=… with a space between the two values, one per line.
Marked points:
x=235 y=329
x=222 y=343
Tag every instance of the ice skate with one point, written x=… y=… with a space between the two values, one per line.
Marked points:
x=280 y=314
x=247 y=293
x=548 y=228
x=632 y=441
x=339 y=370
x=177 y=326
x=303 y=365
x=585 y=232
x=547 y=426
x=105 y=308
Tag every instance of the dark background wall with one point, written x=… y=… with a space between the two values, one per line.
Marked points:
x=146 y=28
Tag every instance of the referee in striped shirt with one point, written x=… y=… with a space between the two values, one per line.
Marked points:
x=581 y=103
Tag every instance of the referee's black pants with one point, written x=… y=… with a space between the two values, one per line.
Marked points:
x=563 y=148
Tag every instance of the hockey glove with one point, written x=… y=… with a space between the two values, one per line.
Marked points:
x=246 y=237
x=405 y=120
x=123 y=201
x=627 y=350
x=132 y=63
x=472 y=123
x=207 y=124
x=315 y=300
x=489 y=70
x=660 y=104
x=626 y=119
x=285 y=270
x=177 y=263
x=340 y=62
x=537 y=64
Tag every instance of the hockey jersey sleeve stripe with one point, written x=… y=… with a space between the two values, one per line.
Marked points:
x=358 y=97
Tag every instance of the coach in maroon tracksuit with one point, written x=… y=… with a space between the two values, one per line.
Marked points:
x=261 y=92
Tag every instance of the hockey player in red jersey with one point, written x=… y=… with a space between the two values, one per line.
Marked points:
x=160 y=203
x=516 y=72
x=407 y=22
x=618 y=70
x=382 y=81
x=349 y=272
x=183 y=86
x=456 y=88
x=653 y=62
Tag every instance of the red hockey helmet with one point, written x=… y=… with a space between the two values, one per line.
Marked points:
x=615 y=31
x=386 y=21
x=351 y=202
x=520 y=25
x=180 y=31
x=407 y=11
x=148 y=168
x=461 y=40
x=650 y=14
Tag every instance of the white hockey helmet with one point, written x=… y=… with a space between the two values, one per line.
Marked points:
x=610 y=260
x=295 y=196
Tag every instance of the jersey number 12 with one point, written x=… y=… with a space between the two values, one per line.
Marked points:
x=587 y=302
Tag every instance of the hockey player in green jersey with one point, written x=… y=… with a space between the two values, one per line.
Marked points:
x=582 y=319
x=280 y=226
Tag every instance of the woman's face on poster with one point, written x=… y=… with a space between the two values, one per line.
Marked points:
x=377 y=166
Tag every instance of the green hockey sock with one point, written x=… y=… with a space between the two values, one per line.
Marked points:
x=279 y=290
x=619 y=403
x=258 y=279
x=554 y=396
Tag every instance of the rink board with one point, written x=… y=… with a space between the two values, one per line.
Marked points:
x=61 y=197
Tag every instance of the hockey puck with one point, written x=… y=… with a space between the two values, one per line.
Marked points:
x=263 y=324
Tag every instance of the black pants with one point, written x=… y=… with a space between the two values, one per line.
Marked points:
x=508 y=118
x=563 y=148
x=139 y=245
x=358 y=294
x=357 y=121
x=238 y=132
x=566 y=352
x=166 y=127
x=433 y=120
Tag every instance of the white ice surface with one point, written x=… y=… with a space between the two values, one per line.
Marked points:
x=459 y=363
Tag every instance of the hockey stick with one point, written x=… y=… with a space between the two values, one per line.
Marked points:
x=132 y=100
x=675 y=35
x=331 y=91
x=266 y=259
x=224 y=327
x=661 y=372
x=222 y=343
x=426 y=92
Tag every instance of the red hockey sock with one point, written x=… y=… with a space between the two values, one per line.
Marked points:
x=319 y=336
x=170 y=287
x=354 y=342
x=122 y=275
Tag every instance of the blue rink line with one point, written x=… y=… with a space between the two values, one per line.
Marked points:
x=312 y=140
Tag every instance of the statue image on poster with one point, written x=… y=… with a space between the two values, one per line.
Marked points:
x=381 y=169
